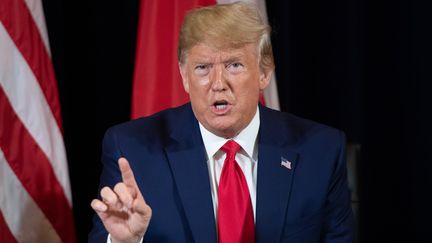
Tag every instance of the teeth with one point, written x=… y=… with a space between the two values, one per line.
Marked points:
x=221 y=107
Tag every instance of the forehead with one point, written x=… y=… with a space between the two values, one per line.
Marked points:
x=205 y=53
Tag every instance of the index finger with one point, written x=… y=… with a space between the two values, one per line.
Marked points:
x=127 y=173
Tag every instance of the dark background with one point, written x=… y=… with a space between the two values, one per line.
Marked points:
x=361 y=66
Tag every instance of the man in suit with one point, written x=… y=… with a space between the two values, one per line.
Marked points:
x=223 y=168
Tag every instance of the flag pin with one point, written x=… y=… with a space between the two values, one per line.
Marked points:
x=286 y=163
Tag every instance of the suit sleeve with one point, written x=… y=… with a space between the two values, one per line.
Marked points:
x=109 y=177
x=338 y=224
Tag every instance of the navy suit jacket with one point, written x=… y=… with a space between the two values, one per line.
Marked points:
x=308 y=203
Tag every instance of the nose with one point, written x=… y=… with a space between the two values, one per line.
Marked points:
x=218 y=82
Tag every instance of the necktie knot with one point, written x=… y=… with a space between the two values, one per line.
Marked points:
x=231 y=148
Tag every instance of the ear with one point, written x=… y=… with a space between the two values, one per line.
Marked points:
x=265 y=75
x=183 y=73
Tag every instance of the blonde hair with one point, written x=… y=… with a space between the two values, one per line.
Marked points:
x=227 y=26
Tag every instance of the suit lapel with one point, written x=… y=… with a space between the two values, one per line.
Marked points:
x=187 y=159
x=274 y=180
x=186 y=155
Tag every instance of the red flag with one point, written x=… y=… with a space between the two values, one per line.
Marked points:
x=157 y=83
x=35 y=196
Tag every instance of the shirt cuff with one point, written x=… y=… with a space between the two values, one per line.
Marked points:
x=109 y=239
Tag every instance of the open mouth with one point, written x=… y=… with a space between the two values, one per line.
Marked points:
x=220 y=105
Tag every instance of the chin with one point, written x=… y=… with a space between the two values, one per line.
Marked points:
x=223 y=130
x=222 y=126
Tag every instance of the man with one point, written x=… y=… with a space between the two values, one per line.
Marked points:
x=222 y=168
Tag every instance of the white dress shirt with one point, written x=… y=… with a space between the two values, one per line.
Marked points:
x=246 y=158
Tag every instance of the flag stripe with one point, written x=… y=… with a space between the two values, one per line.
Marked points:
x=5 y=234
x=39 y=179
x=24 y=220
x=36 y=10
x=22 y=29
x=28 y=101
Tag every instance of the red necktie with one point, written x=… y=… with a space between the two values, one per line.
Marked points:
x=235 y=215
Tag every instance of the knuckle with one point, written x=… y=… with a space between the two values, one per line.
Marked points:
x=94 y=203
x=119 y=188
x=105 y=191
x=108 y=195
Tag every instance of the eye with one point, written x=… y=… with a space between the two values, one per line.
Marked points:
x=235 y=67
x=202 y=69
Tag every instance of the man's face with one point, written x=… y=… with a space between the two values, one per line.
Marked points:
x=224 y=86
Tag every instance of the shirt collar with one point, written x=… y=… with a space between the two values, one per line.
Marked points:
x=246 y=138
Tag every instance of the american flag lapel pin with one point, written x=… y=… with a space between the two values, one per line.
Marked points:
x=286 y=163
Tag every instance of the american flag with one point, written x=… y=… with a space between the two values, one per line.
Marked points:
x=35 y=196
x=286 y=163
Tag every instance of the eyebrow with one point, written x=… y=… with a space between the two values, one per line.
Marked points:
x=231 y=59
